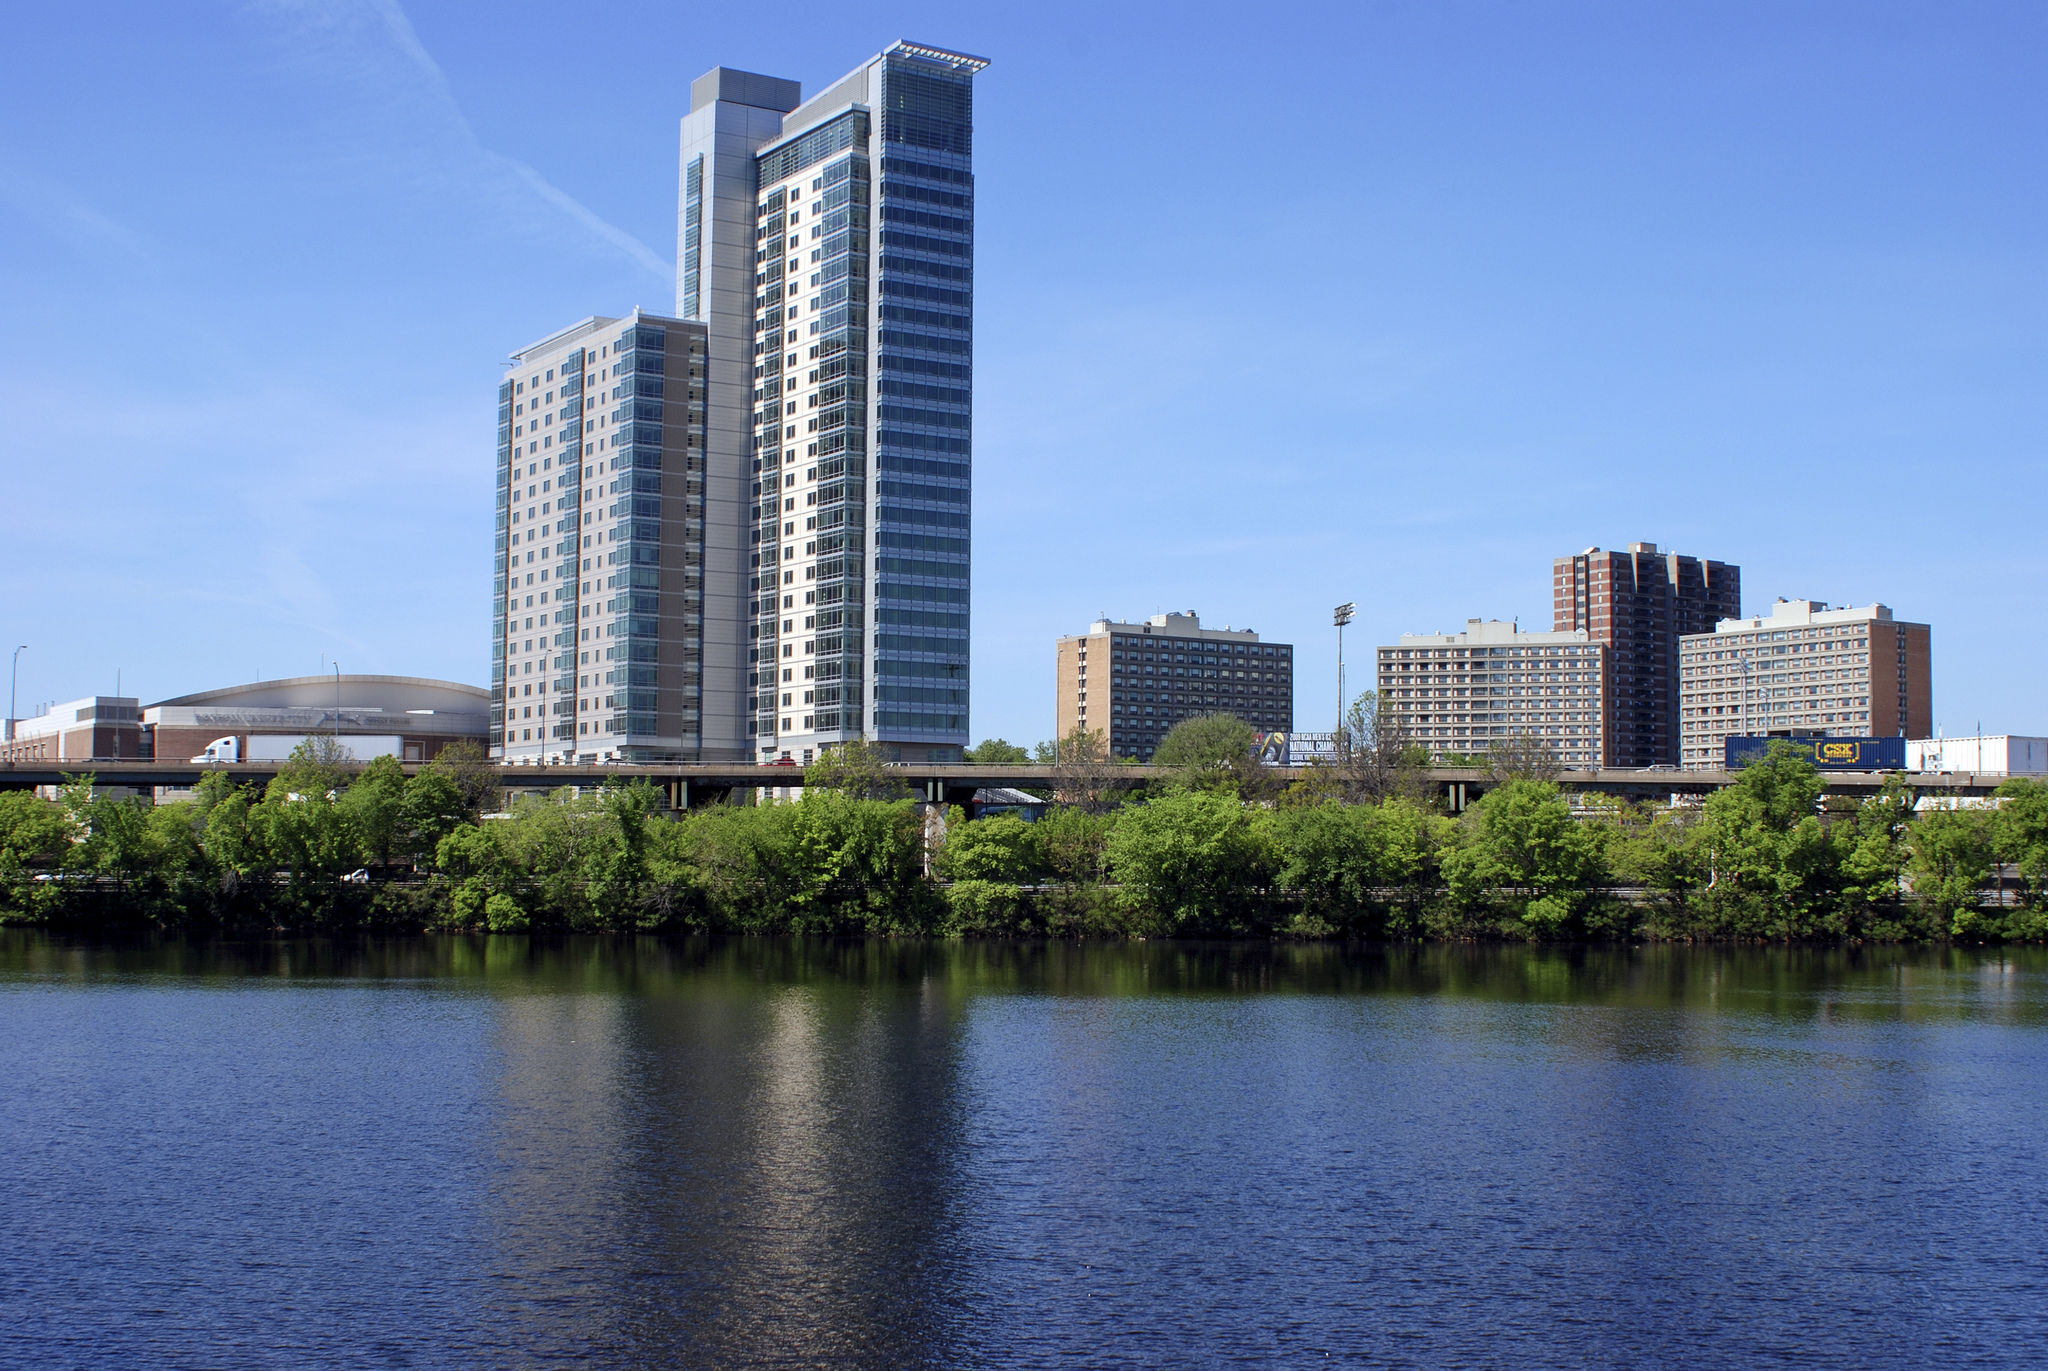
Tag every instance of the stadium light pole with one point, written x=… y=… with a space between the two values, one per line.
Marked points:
x=1340 y=617
x=13 y=676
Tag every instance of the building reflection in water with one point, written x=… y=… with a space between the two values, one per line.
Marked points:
x=705 y=1169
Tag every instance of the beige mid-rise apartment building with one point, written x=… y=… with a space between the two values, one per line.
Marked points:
x=1803 y=668
x=1132 y=682
x=1460 y=693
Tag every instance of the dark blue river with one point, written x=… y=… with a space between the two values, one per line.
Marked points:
x=490 y=1152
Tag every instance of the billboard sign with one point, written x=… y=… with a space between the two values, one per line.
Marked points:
x=1829 y=754
x=1297 y=749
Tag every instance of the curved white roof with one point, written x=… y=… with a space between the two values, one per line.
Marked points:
x=396 y=694
x=349 y=704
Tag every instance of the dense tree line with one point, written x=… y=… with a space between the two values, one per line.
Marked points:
x=1221 y=850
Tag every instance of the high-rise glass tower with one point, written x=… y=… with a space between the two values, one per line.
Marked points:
x=742 y=532
x=827 y=248
x=599 y=585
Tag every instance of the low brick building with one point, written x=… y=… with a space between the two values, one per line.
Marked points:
x=99 y=728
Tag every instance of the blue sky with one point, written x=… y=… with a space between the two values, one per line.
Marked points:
x=1277 y=307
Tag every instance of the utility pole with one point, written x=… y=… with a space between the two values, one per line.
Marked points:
x=13 y=676
x=337 y=711
x=1341 y=616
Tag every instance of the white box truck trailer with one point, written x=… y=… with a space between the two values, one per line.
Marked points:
x=277 y=747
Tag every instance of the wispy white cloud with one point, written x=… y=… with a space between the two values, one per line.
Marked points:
x=334 y=33
x=62 y=214
x=297 y=512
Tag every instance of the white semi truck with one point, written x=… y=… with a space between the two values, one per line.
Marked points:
x=276 y=747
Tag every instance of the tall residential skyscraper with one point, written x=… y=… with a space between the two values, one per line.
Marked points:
x=599 y=624
x=743 y=532
x=1640 y=602
x=827 y=247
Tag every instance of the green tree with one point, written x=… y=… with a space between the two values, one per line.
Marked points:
x=1319 y=783
x=619 y=871
x=1365 y=867
x=1212 y=752
x=857 y=866
x=2019 y=834
x=35 y=837
x=857 y=768
x=1875 y=852
x=1951 y=855
x=1657 y=851
x=1410 y=840
x=1328 y=858
x=997 y=752
x=473 y=774
x=373 y=805
x=478 y=869
x=1073 y=844
x=1003 y=848
x=986 y=864
x=318 y=766
x=301 y=831
x=550 y=841
x=35 y=830
x=1773 y=868
x=739 y=857
x=1191 y=862
x=432 y=806
x=1520 y=846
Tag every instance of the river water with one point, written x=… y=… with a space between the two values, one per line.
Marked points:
x=496 y=1152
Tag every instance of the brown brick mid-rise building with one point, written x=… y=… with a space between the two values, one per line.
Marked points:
x=1133 y=682
x=1640 y=603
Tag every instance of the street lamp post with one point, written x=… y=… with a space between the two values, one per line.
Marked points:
x=1340 y=617
x=1745 y=696
x=13 y=675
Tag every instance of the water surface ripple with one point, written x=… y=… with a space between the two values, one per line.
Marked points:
x=604 y=1153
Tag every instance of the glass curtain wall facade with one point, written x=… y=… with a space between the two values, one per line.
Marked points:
x=599 y=556
x=828 y=249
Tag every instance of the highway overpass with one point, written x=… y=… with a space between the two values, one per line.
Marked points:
x=691 y=784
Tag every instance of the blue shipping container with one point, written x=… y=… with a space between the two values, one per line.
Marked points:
x=1829 y=754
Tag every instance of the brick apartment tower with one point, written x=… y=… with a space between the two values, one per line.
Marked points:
x=1639 y=603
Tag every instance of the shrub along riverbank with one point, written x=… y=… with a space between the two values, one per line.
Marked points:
x=329 y=847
